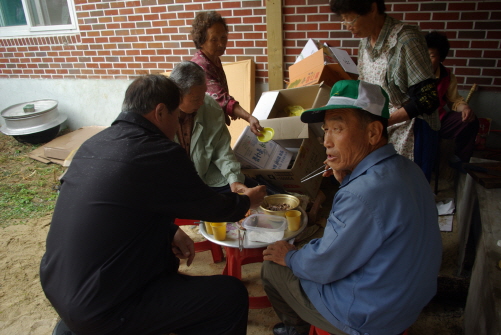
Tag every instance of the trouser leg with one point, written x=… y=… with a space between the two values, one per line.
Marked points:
x=290 y=302
x=190 y=305
x=463 y=133
x=425 y=146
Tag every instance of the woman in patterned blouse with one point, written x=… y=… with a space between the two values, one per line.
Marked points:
x=394 y=55
x=210 y=35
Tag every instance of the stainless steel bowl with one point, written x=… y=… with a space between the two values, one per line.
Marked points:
x=36 y=122
x=278 y=199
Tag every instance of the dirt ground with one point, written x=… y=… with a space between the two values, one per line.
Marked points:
x=24 y=308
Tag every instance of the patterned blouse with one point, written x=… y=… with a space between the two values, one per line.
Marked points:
x=217 y=86
x=400 y=63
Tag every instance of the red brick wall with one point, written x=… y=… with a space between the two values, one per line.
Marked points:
x=121 y=39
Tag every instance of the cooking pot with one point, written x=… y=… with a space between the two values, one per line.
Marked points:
x=33 y=122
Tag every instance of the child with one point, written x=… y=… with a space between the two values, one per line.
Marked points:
x=458 y=121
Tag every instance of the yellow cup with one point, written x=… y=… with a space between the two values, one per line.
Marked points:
x=219 y=230
x=293 y=219
x=208 y=227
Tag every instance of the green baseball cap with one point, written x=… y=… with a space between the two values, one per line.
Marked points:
x=352 y=94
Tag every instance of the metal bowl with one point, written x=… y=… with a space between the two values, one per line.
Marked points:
x=278 y=199
x=32 y=121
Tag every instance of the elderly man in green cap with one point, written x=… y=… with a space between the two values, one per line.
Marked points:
x=376 y=265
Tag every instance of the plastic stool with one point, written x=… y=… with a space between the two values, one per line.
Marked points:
x=62 y=329
x=317 y=331
x=216 y=250
x=234 y=261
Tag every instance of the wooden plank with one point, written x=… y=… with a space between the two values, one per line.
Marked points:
x=275 y=44
x=485 y=179
x=241 y=78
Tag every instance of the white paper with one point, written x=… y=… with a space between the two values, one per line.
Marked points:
x=310 y=48
x=445 y=222
x=345 y=60
x=446 y=207
x=268 y=237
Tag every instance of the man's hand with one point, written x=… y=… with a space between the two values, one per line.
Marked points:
x=238 y=187
x=256 y=195
x=276 y=252
x=183 y=246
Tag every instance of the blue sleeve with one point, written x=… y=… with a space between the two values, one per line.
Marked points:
x=351 y=223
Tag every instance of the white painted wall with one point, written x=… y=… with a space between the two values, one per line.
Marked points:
x=86 y=102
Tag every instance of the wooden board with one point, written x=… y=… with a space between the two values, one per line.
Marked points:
x=241 y=78
x=484 y=179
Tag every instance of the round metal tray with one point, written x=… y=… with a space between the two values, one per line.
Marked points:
x=44 y=116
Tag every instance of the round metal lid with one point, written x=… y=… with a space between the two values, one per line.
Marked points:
x=18 y=111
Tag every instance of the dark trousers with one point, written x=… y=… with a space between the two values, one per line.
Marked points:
x=187 y=305
x=425 y=146
x=463 y=133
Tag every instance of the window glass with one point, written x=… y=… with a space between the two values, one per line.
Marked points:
x=49 y=12
x=37 y=17
x=12 y=13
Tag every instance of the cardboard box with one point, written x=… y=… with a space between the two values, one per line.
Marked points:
x=313 y=70
x=309 y=154
x=313 y=46
x=56 y=153
x=272 y=104
x=293 y=135
x=254 y=154
x=59 y=149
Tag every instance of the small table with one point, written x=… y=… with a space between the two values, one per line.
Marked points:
x=252 y=252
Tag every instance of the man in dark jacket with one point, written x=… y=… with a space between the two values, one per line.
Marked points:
x=112 y=256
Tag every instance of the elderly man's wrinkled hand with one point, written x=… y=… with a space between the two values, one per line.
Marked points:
x=183 y=246
x=276 y=252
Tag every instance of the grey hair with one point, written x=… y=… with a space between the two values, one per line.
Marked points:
x=186 y=75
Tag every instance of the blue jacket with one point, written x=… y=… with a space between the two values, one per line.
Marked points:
x=376 y=265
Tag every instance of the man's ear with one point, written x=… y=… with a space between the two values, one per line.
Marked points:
x=375 y=132
x=160 y=112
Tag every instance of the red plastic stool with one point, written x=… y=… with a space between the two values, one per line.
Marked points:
x=317 y=331
x=234 y=261
x=216 y=250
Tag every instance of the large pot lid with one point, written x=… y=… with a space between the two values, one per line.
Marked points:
x=18 y=111
x=31 y=117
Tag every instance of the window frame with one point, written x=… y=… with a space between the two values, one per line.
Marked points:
x=29 y=30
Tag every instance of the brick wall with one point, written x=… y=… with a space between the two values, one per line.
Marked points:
x=120 y=39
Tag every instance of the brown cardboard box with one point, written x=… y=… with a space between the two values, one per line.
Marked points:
x=58 y=150
x=56 y=153
x=272 y=104
x=294 y=135
x=309 y=155
x=313 y=70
